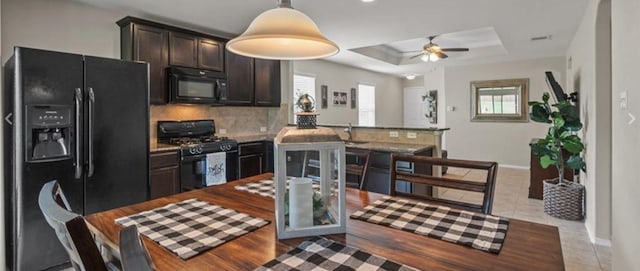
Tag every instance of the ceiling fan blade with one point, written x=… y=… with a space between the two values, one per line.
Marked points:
x=454 y=49
x=441 y=55
x=413 y=51
x=416 y=56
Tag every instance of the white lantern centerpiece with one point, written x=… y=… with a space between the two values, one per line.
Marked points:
x=309 y=178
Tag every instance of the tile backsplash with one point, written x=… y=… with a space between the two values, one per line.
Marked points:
x=237 y=121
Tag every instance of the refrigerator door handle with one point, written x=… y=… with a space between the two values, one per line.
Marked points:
x=78 y=163
x=92 y=103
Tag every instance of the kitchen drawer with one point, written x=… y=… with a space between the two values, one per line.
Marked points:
x=251 y=148
x=163 y=159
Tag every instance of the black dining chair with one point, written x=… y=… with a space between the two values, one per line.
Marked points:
x=486 y=188
x=71 y=230
x=134 y=255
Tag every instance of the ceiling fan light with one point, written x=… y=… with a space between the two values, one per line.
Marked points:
x=283 y=33
x=425 y=58
x=433 y=57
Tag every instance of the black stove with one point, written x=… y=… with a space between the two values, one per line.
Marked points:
x=194 y=137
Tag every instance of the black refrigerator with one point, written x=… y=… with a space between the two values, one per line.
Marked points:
x=80 y=120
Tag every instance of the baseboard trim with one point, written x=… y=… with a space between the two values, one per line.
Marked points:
x=512 y=166
x=596 y=240
x=603 y=242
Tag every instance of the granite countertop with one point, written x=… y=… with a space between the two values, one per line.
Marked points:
x=253 y=138
x=391 y=147
x=409 y=148
x=157 y=147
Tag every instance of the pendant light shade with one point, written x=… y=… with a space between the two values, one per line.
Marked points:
x=283 y=33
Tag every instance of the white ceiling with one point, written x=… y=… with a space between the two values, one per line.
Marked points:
x=398 y=25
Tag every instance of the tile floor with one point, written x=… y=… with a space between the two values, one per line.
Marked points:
x=511 y=200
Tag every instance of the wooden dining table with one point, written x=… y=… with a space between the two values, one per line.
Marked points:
x=528 y=245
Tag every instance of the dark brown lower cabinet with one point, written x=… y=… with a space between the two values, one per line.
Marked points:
x=251 y=165
x=164 y=177
x=251 y=159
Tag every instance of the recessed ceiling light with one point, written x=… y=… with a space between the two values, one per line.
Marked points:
x=367 y=1
x=410 y=76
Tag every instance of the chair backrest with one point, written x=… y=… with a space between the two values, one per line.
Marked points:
x=70 y=228
x=133 y=253
x=360 y=167
x=486 y=188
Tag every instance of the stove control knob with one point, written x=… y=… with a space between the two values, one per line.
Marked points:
x=192 y=151
x=199 y=150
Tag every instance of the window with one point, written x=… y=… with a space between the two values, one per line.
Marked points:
x=499 y=100
x=366 y=105
x=303 y=84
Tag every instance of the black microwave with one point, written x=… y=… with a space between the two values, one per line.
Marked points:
x=187 y=85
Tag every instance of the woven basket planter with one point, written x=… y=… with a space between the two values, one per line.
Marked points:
x=563 y=201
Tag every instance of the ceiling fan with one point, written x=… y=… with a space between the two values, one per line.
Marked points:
x=431 y=52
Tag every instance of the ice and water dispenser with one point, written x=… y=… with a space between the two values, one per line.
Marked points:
x=49 y=132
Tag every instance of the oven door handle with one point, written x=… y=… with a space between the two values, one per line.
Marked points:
x=192 y=158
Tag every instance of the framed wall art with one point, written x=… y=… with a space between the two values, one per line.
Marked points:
x=353 y=98
x=339 y=98
x=324 y=96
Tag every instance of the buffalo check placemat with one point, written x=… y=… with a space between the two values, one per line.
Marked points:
x=192 y=226
x=320 y=253
x=480 y=231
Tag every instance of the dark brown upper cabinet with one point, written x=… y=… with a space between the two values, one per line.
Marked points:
x=183 y=50
x=149 y=44
x=267 y=82
x=195 y=52
x=252 y=81
x=239 y=79
x=210 y=54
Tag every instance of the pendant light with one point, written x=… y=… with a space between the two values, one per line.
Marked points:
x=283 y=33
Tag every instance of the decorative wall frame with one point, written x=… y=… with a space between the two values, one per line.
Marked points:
x=430 y=100
x=324 y=93
x=339 y=98
x=353 y=98
x=504 y=100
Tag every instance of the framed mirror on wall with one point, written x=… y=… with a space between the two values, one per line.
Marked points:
x=500 y=100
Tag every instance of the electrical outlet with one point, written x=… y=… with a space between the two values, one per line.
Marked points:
x=393 y=133
x=411 y=135
x=263 y=129
x=222 y=131
x=624 y=102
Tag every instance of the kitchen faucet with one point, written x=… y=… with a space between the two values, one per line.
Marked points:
x=348 y=130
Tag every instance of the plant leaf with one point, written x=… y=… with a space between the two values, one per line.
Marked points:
x=558 y=122
x=539 y=114
x=545 y=97
x=572 y=144
x=546 y=161
x=576 y=162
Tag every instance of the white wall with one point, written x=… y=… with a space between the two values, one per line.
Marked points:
x=595 y=106
x=505 y=143
x=59 y=25
x=2 y=243
x=342 y=78
x=626 y=138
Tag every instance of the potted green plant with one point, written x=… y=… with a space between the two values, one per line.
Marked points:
x=562 y=198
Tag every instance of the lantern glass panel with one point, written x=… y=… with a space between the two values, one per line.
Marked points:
x=311 y=195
